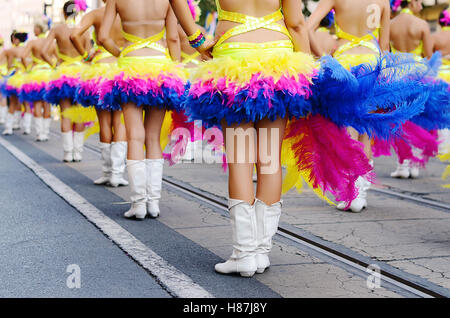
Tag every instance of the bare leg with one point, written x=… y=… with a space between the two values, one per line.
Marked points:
x=154 y=118
x=135 y=131
x=269 y=182
x=240 y=174
x=120 y=133
x=66 y=123
x=38 y=109
x=365 y=140
x=27 y=108
x=47 y=110
x=13 y=104
x=105 y=121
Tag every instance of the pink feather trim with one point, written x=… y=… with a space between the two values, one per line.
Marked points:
x=332 y=158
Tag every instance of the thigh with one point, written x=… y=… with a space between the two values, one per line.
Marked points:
x=154 y=118
x=133 y=120
x=104 y=117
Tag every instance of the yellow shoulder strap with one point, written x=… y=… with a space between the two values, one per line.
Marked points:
x=249 y=23
x=140 y=43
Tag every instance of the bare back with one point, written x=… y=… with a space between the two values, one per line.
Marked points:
x=37 y=46
x=441 y=43
x=360 y=18
x=63 y=42
x=407 y=32
x=116 y=31
x=143 y=18
x=254 y=8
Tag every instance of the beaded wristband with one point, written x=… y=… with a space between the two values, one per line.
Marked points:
x=199 y=42
x=194 y=36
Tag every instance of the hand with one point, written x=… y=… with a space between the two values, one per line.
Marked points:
x=205 y=49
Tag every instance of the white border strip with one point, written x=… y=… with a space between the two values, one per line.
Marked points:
x=176 y=282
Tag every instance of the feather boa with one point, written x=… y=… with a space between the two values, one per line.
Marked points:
x=372 y=98
x=251 y=87
x=145 y=83
x=326 y=156
x=415 y=143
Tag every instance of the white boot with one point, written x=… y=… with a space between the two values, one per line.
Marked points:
x=362 y=184
x=27 y=118
x=360 y=202
x=154 y=184
x=402 y=170
x=38 y=126
x=46 y=129
x=414 y=170
x=17 y=117
x=267 y=218
x=118 y=163
x=3 y=112
x=67 y=139
x=106 y=164
x=78 y=144
x=243 y=223
x=8 y=125
x=138 y=182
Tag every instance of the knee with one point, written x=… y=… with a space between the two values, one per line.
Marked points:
x=136 y=135
x=152 y=138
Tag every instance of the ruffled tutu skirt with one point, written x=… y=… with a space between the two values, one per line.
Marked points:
x=154 y=81
x=418 y=140
x=247 y=85
x=91 y=78
x=35 y=83
x=63 y=83
x=13 y=83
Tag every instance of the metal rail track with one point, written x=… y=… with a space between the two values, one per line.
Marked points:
x=356 y=263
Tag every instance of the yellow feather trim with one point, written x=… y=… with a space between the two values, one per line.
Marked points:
x=350 y=60
x=92 y=71
x=146 y=67
x=79 y=114
x=68 y=70
x=295 y=177
x=239 y=68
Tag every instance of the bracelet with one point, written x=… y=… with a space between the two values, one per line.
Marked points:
x=198 y=41
x=194 y=36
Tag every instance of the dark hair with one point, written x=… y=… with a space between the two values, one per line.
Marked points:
x=404 y=4
x=21 y=36
x=69 y=8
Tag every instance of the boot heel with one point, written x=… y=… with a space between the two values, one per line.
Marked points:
x=260 y=270
x=247 y=274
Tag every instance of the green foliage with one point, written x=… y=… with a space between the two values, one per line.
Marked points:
x=206 y=6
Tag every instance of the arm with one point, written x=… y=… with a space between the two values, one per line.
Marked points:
x=10 y=58
x=385 y=27
x=172 y=38
x=106 y=27
x=184 y=16
x=77 y=37
x=296 y=25
x=26 y=52
x=427 y=41
x=321 y=12
x=49 y=42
